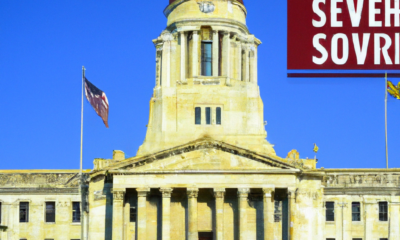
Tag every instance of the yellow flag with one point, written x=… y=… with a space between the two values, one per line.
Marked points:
x=393 y=90
x=316 y=148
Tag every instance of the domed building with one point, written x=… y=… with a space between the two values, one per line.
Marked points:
x=205 y=170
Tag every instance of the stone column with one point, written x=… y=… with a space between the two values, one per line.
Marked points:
x=192 y=194
x=215 y=60
x=219 y=194
x=166 y=213
x=142 y=212
x=118 y=214
x=394 y=217
x=246 y=64
x=255 y=64
x=195 y=60
x=225 y=54
x=183 y=56
x=243 y=194
x=268 y=214
x=292 y=213
x=239 y=60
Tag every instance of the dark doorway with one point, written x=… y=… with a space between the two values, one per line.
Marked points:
x=206 y=236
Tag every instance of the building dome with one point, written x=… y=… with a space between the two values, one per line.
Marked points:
x=172 y=1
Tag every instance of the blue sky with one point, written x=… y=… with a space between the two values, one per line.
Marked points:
x=44 y=43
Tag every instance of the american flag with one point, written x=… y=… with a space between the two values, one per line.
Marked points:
x=98 y=100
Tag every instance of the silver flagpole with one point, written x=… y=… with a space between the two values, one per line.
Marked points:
x=386 y=95
x=80 y=171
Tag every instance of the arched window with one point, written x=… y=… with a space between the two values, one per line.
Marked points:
x=218 y=116
x=197 y=117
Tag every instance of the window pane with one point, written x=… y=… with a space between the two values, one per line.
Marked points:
x=383 y=211
x=278 y=211
x=330 y=211
x=206 y=59
x=208 y=115
x=132 y=214
x=356 y=213
x=218 y=117
x=23 y=212
x=197 y=116
x=76 y=212
x=50 y=212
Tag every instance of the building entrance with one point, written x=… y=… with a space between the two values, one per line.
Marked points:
x=206 y=236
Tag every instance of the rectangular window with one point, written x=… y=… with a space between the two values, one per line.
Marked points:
x=0 y=213
x=330 y=239
x=357 y=238
x=197 y=113
x=383 y=211
x=76 y=212
x=218 y=115
x=383 y=239
x=206 y=58
x=356 y=211
x=208 y=115
x=50 y=212
x=24 y=212
x=330 y=211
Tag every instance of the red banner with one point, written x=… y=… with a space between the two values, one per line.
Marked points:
x=343 y=34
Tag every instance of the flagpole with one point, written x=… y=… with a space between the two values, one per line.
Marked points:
x=386 y=93
x=80 y=171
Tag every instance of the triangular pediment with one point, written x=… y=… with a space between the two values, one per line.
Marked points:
x=204 y=154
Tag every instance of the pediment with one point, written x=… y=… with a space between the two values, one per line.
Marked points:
x=203 y=154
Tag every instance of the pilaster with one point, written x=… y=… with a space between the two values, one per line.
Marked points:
x=268 y=214
x=239 y=60
x=195 y=60
x=215 y=61
x=183 y=55
x=292 y=213
x=118 y=214
x=192 y=194
x=246 y=64
x=226 y=55
x=243 y=194
x=219 y=194
x=347 y=219
x=369 y=219
x=166 y=213
x=394 y=207
x=142 y=212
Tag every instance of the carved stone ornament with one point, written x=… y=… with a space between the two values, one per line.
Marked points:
x=219 y=192
x=63 y=204
x=118 y=194
x=143 y=192
x=268 y=192
x=192 y=192
x=166 y=192
x=243 y=192
x=206 y=7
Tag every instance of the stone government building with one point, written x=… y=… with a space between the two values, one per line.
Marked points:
x=205 y=169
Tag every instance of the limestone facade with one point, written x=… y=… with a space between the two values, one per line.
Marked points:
x=205 y=169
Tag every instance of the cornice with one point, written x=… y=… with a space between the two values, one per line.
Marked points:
x=39 y=191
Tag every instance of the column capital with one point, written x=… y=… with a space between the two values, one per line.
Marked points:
x=118 y=193
x=268 y=192
x=166 y=192
x=192 y=192
x=196 y=31
x=219 y=192
x=226 y=33
x=243 y=192
x=142 y=192
x=215 y=31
